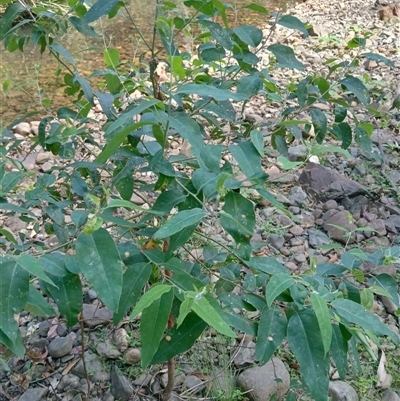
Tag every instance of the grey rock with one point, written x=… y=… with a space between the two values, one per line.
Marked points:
x=93 y=367
x=300 y=258
x=341 y=391
x=143 y=380
x=107 y=350
x=297 y=153
x=390 y=395
x=68 y=382
x=194 y=384
x=94 y=316
x=276 y=240
x=15 y=225
x=264 y=381
x=121 y=339
x=330 y=204
x=392 y=224
x=92 y=295
x=34 y=394
x=372 y=268
x=324 y=183
x=121 y=387
x=61 y=346
x=317 y=238
x=246 y=354
x=107 y=396
x=347 y=227
x=44 y=328
x=378 y=225
x=62 y=330
x=389 y=305
x=297 y=196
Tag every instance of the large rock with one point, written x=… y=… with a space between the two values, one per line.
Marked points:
x=340 y=227
x=341 y=391
x=390 y=395
x=324 y=183
x=34 y=394
x=121 y=387
x=94 y=316
x=264 y=381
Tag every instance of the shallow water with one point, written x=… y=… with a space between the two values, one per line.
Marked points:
x=32 y=75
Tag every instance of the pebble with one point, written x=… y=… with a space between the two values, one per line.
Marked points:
x=61 y=346
x=296 y=230
x=342 y=391
x=132 y=356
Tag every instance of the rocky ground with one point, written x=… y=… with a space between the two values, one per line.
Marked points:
x=317 y=194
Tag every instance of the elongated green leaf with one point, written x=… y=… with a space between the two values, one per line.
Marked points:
x=53 y=264
x=248 y=158
x=388 y=283
x=8 y=235
x=355 y=86
x=98 y=9
x=379 y=58
x=86 y=88
x=68 y=295
x=82 y=27
x=167 y=200
x=36 y=304
x=238 y=219
x=178 y=222
x=320 y=123
x=9 y=181
x=268 y=265
x=178 y=239
x=211 y=316
x=14 y=344
x=180 y=339
x=271 y=332
x=324 y=321
x=242 y=324
x=129 y=205
x=62 y=51
x=15 y=208
x=276 y=285
x=271 y=199
x=210 y=91
x=99 y=261
x=9 y=16
x=339 y=350
x=248 y=34
x=189 y=129
x=221 y=35
x=257 y=139
x=357 y=314
x=306 y=344
x=32 y=265
x=292 y=22
x=155 y=292
x=133 y=281
x=153 y=323
x=286 y=57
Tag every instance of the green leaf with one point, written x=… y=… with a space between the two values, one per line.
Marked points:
x=344 y=133
x=339 y=350
x=354 y=85
x=9 y=181
x=8 y=17
x=15 y=344
x=367 y=298
x=82 y=27
x=180 y=339
x=8 y=235
x=210 y=91
x=357 y=314
x=178 y=222
x=388 y=283
x=33 y=266
x=320 y=124
x=291 y=22
x=248 y=158
x=306 y=344
x=257 y=8
x=379 y=58
x=98 y=259
x=62 y=51
x=167 y=200
x=221 y=35
x=211 y=316
x=286 y=57
x=268 y=265
x=111 y=57
x=287 y=164
x=323 y=149
x=129 y=205
x=68 y=295
x=153 y=323
x=248 y=34
x=98 y=9
x=356 y=42
x=276 y=285
x=249 y=85
x=133 y=280
x=271 y=332
x=324 y=321
x=36 y=304
x=257 y=139
x=85 y=85
x=238 y=219
x=155 y=292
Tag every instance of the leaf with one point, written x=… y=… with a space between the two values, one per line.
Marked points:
x=53 y=264
x=15 y=344
x=33 y=266
x=8 y=235
x=210 y=91
x=153 y=323
x=287 y=164
x=291 y=22
x=82 y=27
x=357 y=314
x=248 y=34
x=180 y=339
x=276 y=285
x=324 y=321
x=238 y=219
x=379 y=58
x=355 y=86
x=258 y=8
x=306 y=344
x=388 y=283
x=167 y=200
x=248 y=158
x=221 y=35
x=339 y=350
x=99 y=261
x=344 y=133
x=211 y=316
x=178 y=222
x=249 y=85
x=155 y=292
x=15 y=208
x=257 y=139
x=9 y=181
x=320 y=124
x=271 y=332
x=285 y=56
x=36 y=304
x=133 y=280
x=267 y=265
x=8 y=17
x=98 y=9
x=111 y=57
x=85 y=85
x=106 y=101
x=62 y=51
x=130 y=205
x=68 y=295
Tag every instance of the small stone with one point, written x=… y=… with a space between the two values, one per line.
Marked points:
x=342 y=391
x=294 y=209
x=23 y=129
x=62 y=330
x=297 y=196
x=291 y=266
x=379 y=226
x=276 y=240
x=44 y=157
x=297 y=153
x=317 y=238
x=132 y=356
x=246 y=354
x=194 y=384
x=91 y=295
x=296 y=230
x=61 y=346
x=137 y=200
x=44 y=328
x=34 y=394
x=389 y=305
x=340 y=227
x=121 y=339
x=94 y=316
x=107 y=350
x=47 y=166
x=330 y=204
x=300 y=258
